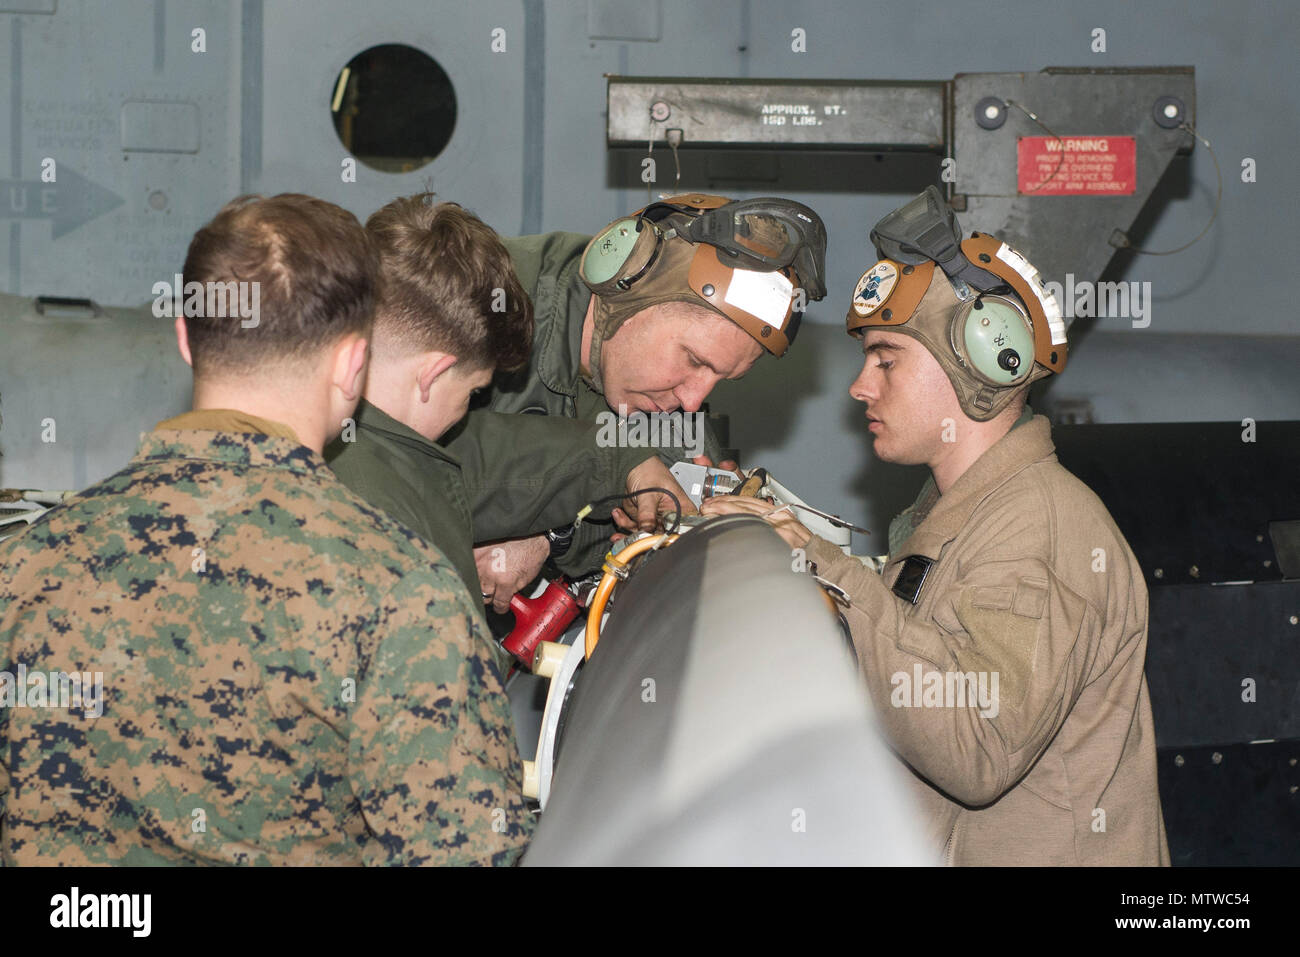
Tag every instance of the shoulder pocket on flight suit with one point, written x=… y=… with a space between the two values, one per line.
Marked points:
x=1003 y=625
x=1031 y=598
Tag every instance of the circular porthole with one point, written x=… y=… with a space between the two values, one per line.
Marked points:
x=394 y=108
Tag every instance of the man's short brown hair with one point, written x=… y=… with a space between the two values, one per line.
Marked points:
x=449 y=286
x=317 y=272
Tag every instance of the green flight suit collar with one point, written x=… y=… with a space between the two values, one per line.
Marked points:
x=559 y=363
x=375 y=419
x=418 y=482
x=560 y=301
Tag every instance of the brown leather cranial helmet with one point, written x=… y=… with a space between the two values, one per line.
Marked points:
x=977 y=305
x=756 y=262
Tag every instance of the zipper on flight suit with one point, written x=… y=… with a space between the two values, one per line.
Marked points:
x=949 y=850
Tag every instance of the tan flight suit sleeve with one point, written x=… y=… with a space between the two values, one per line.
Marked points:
x=1005 y=613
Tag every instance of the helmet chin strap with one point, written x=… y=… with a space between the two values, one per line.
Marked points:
x=592 y=373
x=600 y=322
x=982 y=402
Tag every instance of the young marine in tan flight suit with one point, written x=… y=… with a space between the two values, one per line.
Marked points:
x=1003 y=643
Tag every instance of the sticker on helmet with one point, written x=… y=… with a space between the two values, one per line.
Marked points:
x=764 y=295
x=874 y=288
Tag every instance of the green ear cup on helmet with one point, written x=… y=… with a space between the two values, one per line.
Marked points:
x=993 y=337
x=609 y=251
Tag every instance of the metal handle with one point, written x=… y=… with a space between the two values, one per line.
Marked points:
x=62 y=302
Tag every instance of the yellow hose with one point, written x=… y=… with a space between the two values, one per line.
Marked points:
x=613 y=565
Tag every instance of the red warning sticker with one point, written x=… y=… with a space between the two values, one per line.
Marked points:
x=1076 y=165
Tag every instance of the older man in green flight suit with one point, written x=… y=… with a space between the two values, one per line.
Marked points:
x=646 y=318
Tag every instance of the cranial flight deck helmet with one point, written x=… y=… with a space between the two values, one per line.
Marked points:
x=744 y=259
x=984 y=314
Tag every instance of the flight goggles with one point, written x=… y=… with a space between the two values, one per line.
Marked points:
x=764 y=235
x=923 y=234
x=924 y=230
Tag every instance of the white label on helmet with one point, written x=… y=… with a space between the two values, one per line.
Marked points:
x=764 y=295
x=1051 y=308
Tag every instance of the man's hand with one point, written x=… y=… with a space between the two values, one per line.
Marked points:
x=647 y=508
x=506 y=566
x=786 y=525
x=728 y=465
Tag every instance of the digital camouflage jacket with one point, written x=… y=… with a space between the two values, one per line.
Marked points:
x=288 y=675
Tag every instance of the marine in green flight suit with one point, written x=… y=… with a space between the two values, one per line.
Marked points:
x=667 y=323
x=450 y=315
x=522 y=476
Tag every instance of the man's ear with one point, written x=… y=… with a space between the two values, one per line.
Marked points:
x=433 y=365
x=350 y=366
x=183 y=341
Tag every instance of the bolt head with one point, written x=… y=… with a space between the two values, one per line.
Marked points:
x=991 y=111
x=1170 y=110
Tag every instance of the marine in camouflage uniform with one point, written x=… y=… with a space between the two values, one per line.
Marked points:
x=290 y=676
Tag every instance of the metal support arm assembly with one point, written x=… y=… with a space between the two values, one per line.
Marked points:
x=1115 y=131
